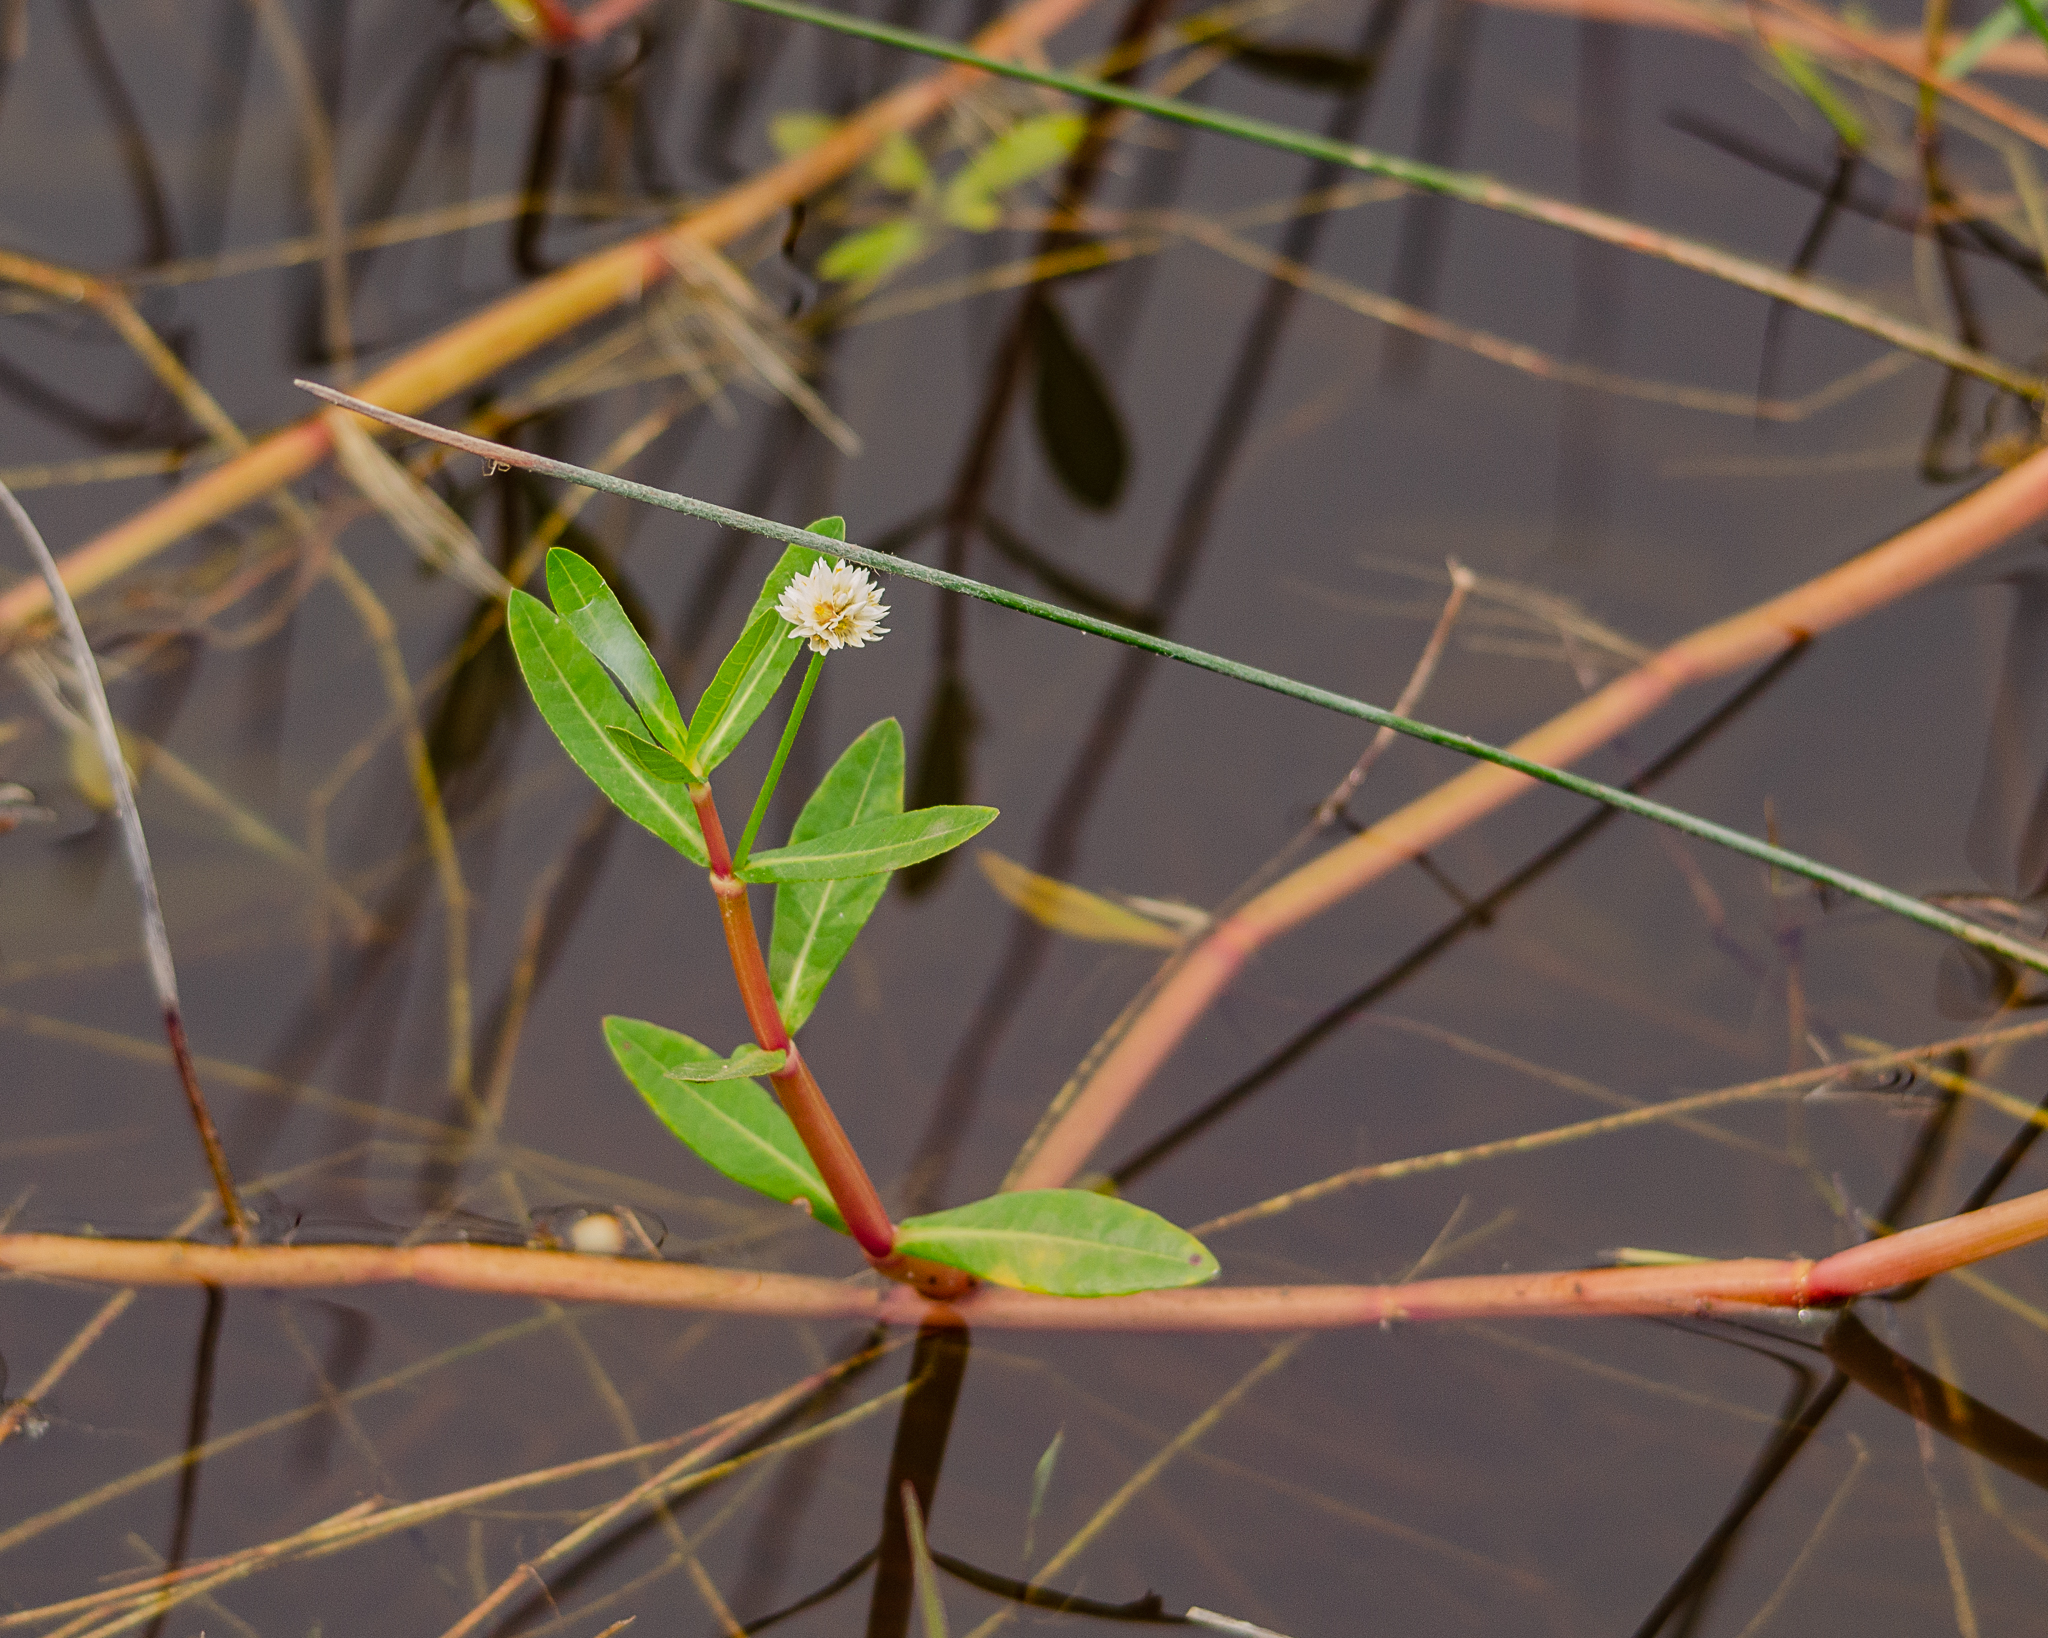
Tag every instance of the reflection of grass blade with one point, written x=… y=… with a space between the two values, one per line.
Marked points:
x=156 y=938
x=1467 y=186
x=930 y=1606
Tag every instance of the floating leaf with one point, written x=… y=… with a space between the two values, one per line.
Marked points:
x=745 y=1062
x=898 y=164
x=1064 y=1242
x=817 y=922
x=875 y=845
x=1072 y=910
x=1077 y=421
x=799 y=132
x=595 y=614
x=1311 y=68
x=874 y=252
x=580 y=704
x=749 y=675
x=732 y=1126
x=1026 y=149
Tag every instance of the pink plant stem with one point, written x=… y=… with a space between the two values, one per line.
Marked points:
x=1684 y=1288
x=802 y=1099
x=1090 y=1105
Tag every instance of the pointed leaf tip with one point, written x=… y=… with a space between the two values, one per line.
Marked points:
x=579 y=703
x=1063 y=1242
x=873 y=847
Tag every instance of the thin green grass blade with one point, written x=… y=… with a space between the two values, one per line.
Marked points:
x=1064 y=1242
x=2023 y=952
x=870 y=847
x=1810 y=294
x=817 y=922
x=579 y=703
x=594 y=613
x=734 y=1127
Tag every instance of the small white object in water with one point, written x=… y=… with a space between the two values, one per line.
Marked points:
x=600 y=1234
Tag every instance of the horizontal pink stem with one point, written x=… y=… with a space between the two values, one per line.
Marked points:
x=1683 y=1288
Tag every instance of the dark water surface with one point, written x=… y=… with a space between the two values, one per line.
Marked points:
x=1295 y=483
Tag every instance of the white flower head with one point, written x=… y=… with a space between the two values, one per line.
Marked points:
x=833 y=608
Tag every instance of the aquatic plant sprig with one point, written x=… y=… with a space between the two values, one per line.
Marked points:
x=598 y=687
x=1903 y=905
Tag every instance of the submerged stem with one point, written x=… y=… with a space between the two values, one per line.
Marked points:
x=796 y=717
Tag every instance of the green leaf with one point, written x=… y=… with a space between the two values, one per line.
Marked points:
x=650 y=757
x=874 y=252
x=1026 y=149
x=1077 y=420
x=817 y=922
x=1065 y=1242
x=749 y=675
x=899 y=165
x=799 y=132
x=582 y=598
x=869 y=847
x=733 y=1126
x=582 y=707
x=744 y=1062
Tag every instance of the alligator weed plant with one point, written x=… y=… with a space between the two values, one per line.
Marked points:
x=603 y=694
